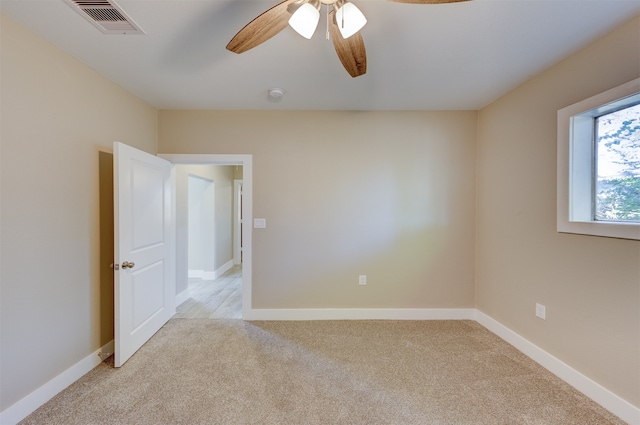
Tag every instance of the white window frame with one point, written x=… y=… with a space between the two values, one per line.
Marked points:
x=576 y=164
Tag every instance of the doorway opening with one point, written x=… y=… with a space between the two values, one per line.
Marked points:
x=214 y=284
x=232 y=196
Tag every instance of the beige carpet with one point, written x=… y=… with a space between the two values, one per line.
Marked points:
x=204 y=371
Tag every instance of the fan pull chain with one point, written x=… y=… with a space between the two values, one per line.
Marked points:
x=326 y=6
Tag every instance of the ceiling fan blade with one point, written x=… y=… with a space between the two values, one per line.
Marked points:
x=428 y=1
x=262 y=28
x=350 y=50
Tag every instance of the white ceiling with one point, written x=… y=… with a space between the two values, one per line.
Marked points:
x=420 y=57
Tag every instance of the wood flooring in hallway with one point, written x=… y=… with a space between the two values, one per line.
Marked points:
x=214 y=299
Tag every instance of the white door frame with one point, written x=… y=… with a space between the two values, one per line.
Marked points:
x=246 y=161
x=237 y=221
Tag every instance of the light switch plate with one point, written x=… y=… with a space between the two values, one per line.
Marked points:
x=259 y=223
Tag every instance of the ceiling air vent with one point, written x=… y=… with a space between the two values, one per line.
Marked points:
x=105 y=15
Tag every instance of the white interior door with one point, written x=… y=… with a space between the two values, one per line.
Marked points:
x=144 y=278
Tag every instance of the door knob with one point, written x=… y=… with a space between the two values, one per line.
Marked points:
x=128 y=265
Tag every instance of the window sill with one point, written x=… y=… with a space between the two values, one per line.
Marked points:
x=594 y=228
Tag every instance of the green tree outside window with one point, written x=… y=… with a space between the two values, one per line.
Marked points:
x=617 y=186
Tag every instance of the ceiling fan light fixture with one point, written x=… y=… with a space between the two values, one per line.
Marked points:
x=305 y=20
x=349 y=18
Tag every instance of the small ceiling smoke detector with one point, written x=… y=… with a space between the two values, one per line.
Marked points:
x=276 y=95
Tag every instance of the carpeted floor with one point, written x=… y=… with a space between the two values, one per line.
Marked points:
x=204 y=371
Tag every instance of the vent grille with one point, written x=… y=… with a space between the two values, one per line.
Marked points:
x=105 y=15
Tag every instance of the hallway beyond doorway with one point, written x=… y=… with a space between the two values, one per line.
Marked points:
x=214 y=299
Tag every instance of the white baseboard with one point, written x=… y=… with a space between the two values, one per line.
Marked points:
x=360 y=314
x=222 y=269
x=210 y=275
x=218 y=272
x=182 y=297
x=613 y=403
x=23 y=408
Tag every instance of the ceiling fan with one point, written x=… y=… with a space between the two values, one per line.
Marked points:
x=345 y=21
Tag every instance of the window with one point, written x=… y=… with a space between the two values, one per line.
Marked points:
x=599 y=164
x=617 y=165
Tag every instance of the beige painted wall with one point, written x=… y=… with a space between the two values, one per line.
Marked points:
x=386 y=194
x=59 y=119
x=222 y=176
x=590 y=285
